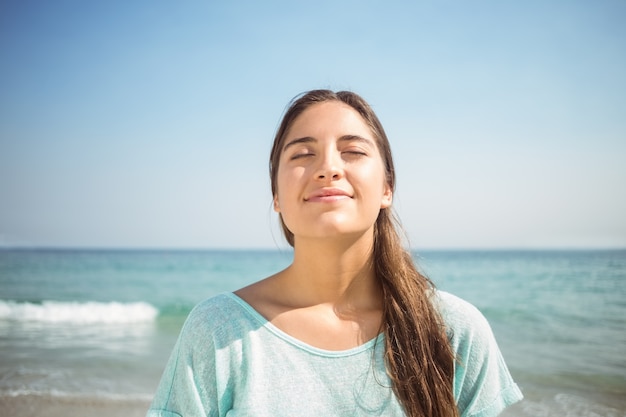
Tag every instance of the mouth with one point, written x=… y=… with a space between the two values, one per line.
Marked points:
x=327 y=195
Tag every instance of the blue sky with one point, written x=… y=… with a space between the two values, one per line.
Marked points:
x=149 y=123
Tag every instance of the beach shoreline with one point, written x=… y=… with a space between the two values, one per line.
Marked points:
x=32 y=405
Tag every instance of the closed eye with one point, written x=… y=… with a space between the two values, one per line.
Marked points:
x=301 y=155
x=354 y=152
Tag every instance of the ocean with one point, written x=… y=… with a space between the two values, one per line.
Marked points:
x=88 y=330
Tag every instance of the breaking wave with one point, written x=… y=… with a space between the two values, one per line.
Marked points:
x=77 y=312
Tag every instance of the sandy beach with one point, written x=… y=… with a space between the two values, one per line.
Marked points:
x=37 y=406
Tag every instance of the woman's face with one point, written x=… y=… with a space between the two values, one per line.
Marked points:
x=331 y=178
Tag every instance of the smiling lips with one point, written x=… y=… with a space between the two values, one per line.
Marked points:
x=327 y=195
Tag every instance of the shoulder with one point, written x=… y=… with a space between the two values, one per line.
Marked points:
x=483 y=386
x=453 y=307
x=217 y=318
x=469 y=332
x=461 y=318
x=211 y=310
x=196 y=378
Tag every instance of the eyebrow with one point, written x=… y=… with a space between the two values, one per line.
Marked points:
x=344 y=138
x=306 y=139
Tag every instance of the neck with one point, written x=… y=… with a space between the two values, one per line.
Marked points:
x=340 y=273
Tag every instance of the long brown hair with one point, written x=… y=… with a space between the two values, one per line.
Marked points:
x=418 y=356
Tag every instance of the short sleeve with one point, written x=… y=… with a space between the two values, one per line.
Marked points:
x=483 y=386
x=189 y=385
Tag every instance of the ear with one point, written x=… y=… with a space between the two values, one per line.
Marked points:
x=276 y=205
x=387 y=197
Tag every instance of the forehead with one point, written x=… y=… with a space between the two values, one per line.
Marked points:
x=330 y=118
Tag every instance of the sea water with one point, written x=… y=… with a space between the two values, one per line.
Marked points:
x=87 y=325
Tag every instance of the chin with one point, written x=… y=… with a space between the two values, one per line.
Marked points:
x=341 y=232
x=335 y=226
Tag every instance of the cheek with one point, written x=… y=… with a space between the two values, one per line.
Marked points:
x=372 y=175
x=289 y=176
x=375 y=185
x=286 y=186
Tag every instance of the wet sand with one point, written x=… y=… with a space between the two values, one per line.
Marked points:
x=38 y=406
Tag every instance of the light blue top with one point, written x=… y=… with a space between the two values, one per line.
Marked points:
x=230 y=361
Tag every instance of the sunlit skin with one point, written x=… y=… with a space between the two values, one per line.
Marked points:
x=330 y=188
x=331 y=180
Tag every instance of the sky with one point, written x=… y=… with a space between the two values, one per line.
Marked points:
x=148 y=124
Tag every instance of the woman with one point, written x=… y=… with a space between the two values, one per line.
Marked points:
x=350 y=328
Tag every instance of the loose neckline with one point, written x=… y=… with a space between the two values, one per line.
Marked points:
x=299 y=343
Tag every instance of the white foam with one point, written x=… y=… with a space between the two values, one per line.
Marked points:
x=565 y=405
x=75 y=312
x=77 y=396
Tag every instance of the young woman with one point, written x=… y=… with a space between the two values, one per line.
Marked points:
x=350 y=328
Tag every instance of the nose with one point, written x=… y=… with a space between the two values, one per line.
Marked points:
x=330 y=167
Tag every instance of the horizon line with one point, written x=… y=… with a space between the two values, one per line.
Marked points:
x=289 y=248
